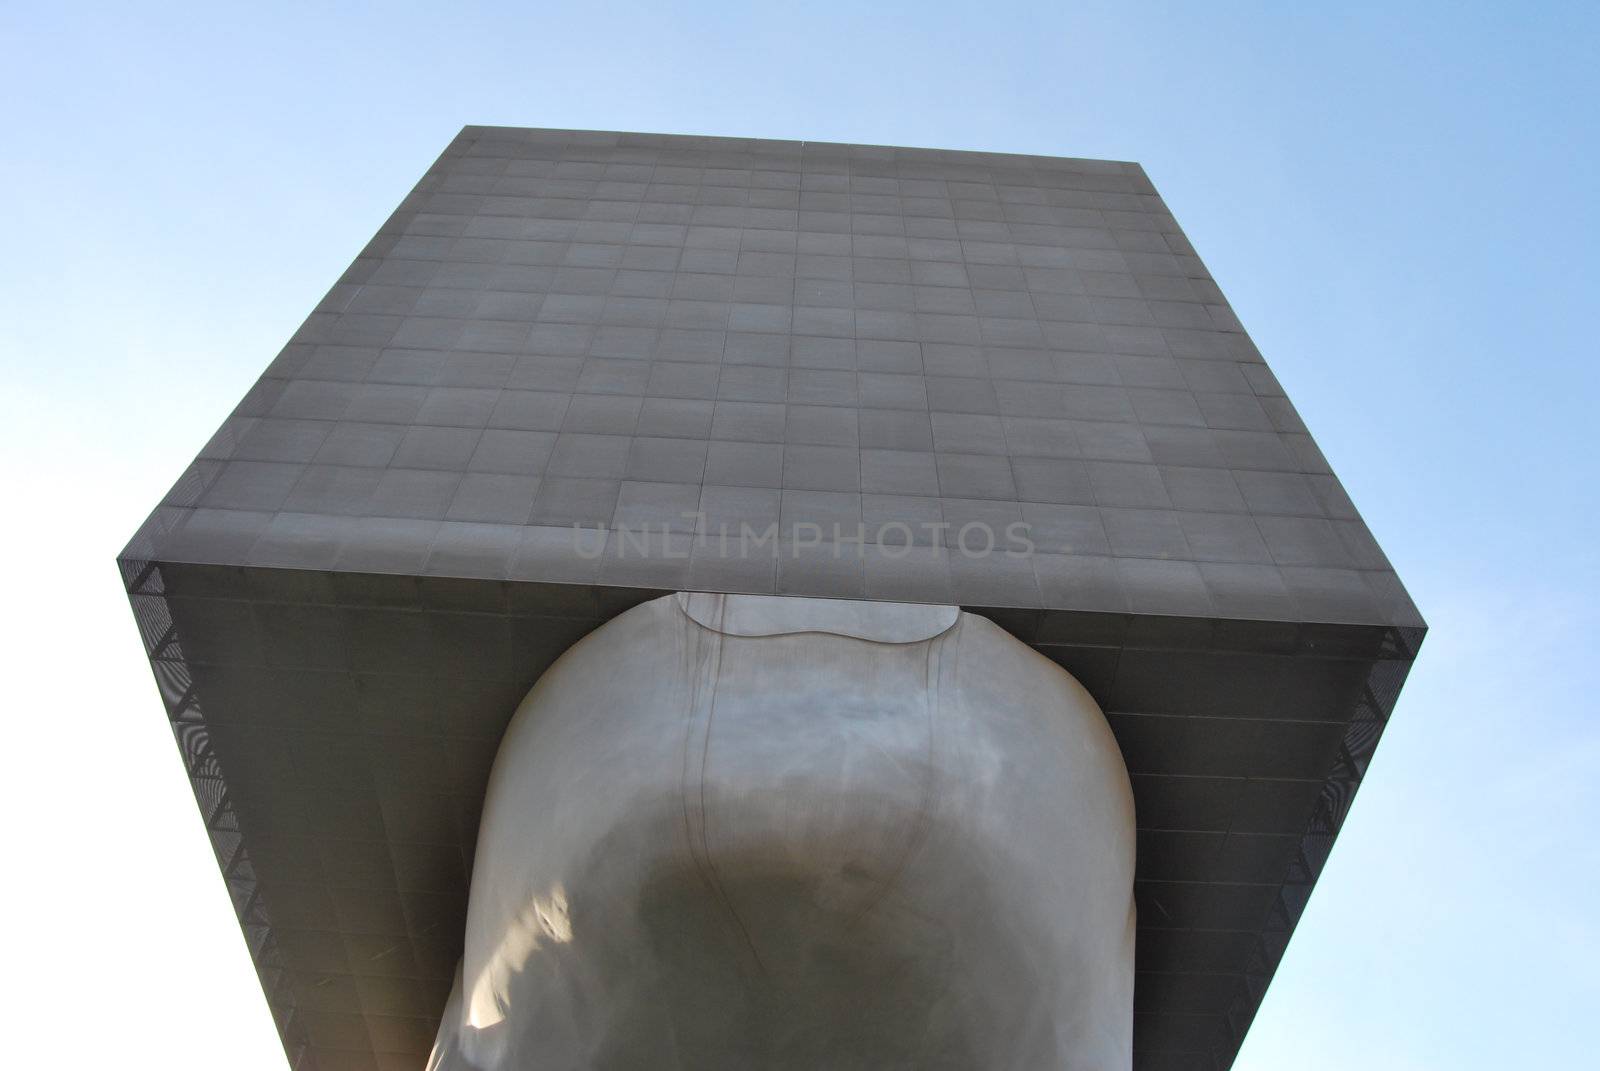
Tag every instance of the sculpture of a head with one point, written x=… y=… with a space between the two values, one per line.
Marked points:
x=740 y=831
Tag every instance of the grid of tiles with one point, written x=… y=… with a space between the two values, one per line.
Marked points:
x=674 y=333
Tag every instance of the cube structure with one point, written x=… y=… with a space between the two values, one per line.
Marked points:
x=570 y=360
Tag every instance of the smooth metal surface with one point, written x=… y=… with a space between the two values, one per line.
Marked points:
x=732 y=832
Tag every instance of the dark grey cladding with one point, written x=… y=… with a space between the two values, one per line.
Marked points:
x=888 y=358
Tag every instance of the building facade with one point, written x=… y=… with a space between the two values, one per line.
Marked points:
x=577 y=371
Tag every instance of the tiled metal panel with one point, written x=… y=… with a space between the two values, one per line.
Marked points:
x=908 y=349
x=565 y=328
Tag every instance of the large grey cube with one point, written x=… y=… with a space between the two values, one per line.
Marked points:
x=346 y=594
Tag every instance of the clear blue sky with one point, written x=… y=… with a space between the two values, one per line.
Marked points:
x=1399 y=199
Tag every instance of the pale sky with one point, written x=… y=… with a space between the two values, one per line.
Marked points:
x=1398 y=199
